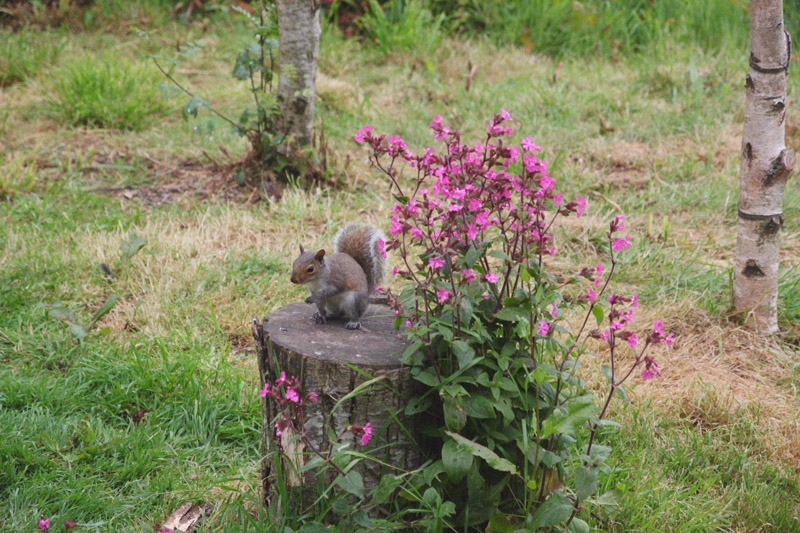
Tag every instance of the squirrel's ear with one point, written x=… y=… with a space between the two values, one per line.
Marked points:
x=302 y=250
x=320 y=255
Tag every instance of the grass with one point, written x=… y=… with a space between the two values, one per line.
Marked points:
x=106 y=92
x=25 y=53
x=109 y=429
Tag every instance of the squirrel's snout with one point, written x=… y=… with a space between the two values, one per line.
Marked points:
x=293 y=279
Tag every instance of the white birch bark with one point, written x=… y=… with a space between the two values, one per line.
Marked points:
x=298 y=44
x=765 y=167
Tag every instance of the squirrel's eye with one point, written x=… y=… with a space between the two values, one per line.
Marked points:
x=310 y=269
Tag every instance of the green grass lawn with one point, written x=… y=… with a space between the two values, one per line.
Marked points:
x=157 y=404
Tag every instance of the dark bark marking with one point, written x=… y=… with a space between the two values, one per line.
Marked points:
x=755 y=64
x=780 y=167
x=748 y=152
x=778 y=106
x=748 y=82
x=752 y=269
x=773 y=226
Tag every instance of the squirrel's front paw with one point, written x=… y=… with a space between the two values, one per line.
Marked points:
x=353 y=325
x=319 y=318
x=310 y=300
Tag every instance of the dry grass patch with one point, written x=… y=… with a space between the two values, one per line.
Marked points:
x=717 y=371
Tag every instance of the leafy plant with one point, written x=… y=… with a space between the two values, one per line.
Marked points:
x=491 y=329
x=405 y=25
x=106 y=92
x=256 y=65
x=24 y=54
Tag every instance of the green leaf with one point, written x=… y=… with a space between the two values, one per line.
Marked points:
x=499 y=254
x=132 y=246
x=471 y=256
x=500 y=523
x=585 y=481
x=567 y=419
x=608 y=499
x=513 y=314
x=418 y=404
x=479 y=407
x=491 y=458
x=556 y=510
x=578 y=526
x=313 y=527
x=598 y=313
x=427 y=377
x=456 y=461
x=77 y=330
x=464 y=353
x=352 y=483
x=383 y=492
x=455 y=416
x=191 y=107
x=103 y=309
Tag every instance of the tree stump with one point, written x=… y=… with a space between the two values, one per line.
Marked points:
x=318 y=355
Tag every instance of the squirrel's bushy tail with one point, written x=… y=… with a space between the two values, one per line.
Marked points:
x=361 y=243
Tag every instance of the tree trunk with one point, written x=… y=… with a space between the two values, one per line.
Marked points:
x=766 y=165
x=298 y=44
x=322 y=357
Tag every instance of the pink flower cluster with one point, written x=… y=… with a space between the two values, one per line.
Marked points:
x=465 y=197
x=285 y=399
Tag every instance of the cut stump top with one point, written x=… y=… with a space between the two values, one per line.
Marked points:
x=376 y=344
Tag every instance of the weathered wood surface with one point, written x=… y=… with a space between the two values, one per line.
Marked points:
x=318 y=354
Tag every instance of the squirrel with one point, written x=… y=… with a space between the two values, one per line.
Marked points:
x=341 y=283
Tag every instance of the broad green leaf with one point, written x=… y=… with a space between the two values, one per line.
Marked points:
x=499 y=254
x=464 y=353
x=455 y=416
x=418 y=404
x=567 y=419
x=599 y=315
x=585 y=481
x=456 y=461
x=491 y=458
x=556 y=510
x=500 y=523
x=386 y=487
x=352 y=483
x=608 y=499
x=471 y=256
x=479 y=407
x=578 y=526
x=513 y=314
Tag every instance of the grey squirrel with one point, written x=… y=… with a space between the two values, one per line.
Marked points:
x=341 y=283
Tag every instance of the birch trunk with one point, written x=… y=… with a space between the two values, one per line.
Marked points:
x=765 y=167
x=298 y=43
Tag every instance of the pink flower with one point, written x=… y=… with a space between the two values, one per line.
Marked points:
x=361 y=135
x=658 y=327
x=651 y=369
x=442 y=295
x=436 y=262
x=558 y=198
x=669 y=339
x=467 y=275
x=291 y=394
x=44 y=524
x=382 y=248
x=367 y=434
x=281 y=380
x=632 y=340
x=605 y=334
x=553 y=311
x=312 y=397
x=491 y=277
x=265 y=390
x=474 y=205
x=504 y=114
x=591 y=294
x=620 y=244
x=394 y=271
x=396 y=226
x=599 y=268
x=544 y=327
x=527 y=144
x=416 y=233
x=581 y=205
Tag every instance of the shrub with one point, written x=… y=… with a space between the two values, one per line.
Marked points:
x=108 y=92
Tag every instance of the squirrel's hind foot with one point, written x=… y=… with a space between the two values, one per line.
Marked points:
x=319 y=318
x=353 y=325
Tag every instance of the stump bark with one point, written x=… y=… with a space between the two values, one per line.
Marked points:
x=290 y=341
